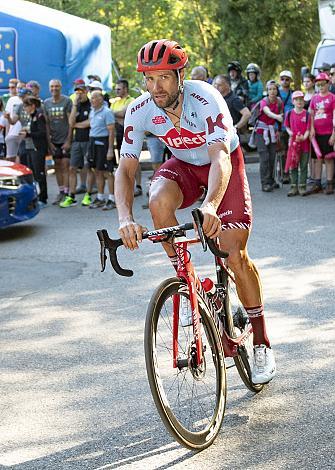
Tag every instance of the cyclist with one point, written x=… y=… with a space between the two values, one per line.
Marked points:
x=192 y=119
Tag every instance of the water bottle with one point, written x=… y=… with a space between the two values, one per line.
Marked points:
x=211 y=291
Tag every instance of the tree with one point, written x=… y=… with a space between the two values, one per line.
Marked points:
x=284 y=34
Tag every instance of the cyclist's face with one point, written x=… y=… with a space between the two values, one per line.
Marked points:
x=163 y=86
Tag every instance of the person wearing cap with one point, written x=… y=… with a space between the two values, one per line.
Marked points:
x=101 y=150
x=322 y=109
x=325 y=67
x=285 y=94
x=239 y=84
x=96 y=85
x=79 y=123
x=297 y=123
x=35 y=88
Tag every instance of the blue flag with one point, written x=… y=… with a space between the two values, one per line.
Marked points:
x=8 y=60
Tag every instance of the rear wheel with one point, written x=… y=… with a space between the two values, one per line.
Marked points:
x=237 y=322
x=190 y=398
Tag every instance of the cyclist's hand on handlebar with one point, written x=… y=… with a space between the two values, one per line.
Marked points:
x=211 y=224
x=131 y=233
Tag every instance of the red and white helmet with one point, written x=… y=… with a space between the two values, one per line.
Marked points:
x=161 y=54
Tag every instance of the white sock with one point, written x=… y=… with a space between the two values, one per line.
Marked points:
x=111 y=197
x=101 y=196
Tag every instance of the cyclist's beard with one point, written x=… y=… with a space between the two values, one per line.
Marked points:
x=169 y=101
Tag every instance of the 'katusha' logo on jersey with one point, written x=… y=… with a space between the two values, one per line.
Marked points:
x=159 y=120
x=185 y=140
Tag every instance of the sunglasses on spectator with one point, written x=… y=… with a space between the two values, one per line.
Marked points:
x=322 y=83
x=12 y=86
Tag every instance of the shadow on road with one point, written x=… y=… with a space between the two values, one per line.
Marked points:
x=18 y=231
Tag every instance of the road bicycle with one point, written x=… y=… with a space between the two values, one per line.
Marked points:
x=186 y=365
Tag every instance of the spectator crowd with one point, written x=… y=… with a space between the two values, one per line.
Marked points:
x=293 y=131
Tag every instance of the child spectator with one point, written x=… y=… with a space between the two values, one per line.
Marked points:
x=255 y=92
x=323 y=130
x=271 y=113
x=297 y=127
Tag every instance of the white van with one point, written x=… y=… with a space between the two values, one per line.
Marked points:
x=325 y=52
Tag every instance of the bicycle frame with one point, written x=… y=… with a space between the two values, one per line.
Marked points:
x=186 y=271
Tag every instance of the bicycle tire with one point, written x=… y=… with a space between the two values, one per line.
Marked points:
x=194 y=435
x=236 y=323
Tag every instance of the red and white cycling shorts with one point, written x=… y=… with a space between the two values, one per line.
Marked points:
x=235 y=210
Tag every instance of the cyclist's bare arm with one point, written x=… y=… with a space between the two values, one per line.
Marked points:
x=129 y=230
x=218 y=179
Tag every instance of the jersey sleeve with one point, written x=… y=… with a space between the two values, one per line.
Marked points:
x=133 y=136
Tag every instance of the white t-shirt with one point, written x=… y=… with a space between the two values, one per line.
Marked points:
x=3 y=123
x=10 y=107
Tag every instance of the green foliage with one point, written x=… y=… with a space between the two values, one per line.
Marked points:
x=276 y=35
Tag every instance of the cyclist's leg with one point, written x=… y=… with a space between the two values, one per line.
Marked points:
x=235 y=212
x=165 y=198
x=173 y=187
x=247 y=278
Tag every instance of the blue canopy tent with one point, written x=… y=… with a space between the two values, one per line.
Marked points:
x=39 y=43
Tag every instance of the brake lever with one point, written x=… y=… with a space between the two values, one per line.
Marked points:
x=198 y=219
x=103 y=256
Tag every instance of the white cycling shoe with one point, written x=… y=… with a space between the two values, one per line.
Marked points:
x=264 y=365
x=185 y=312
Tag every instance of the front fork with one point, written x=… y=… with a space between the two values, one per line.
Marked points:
x=186 y=271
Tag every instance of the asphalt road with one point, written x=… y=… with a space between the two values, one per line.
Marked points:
x=74 y=393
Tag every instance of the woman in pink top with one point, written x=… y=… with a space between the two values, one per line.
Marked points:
x=271 y=113
x=322 y=109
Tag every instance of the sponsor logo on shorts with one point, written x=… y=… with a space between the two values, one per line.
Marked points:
x=188 y=139
x=159 y=120
x=224 y=214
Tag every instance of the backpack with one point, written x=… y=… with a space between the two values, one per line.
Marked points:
x=256 y=111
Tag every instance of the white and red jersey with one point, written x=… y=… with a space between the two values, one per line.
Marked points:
x=205 y=120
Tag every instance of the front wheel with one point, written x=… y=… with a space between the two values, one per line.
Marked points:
x=238 y=323
x=190 y=398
